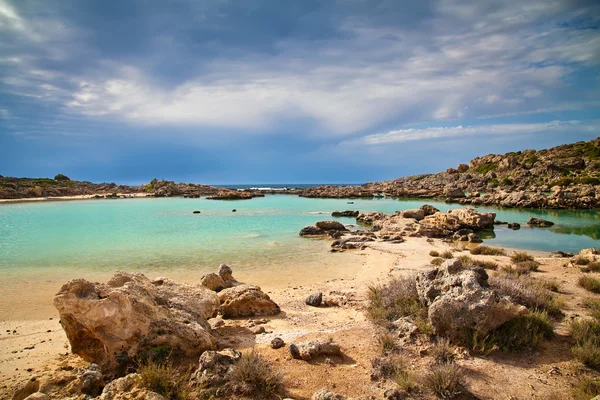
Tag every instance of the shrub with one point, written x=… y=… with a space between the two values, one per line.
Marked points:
x=594 y=306
x=520 y=256
x=581 y=260
x=447 y=255
x=446 y=380
x=551 y=285
x=521 y=268
x=586 y=334
x=589 y=283
x=485 y=168
x=252 y=375
x=405 y=379
x=164 y=379
x=395 y=299
x=437 y=261
x=487 y=251
x=469 y=262
x=386 y=342
x=443 y=351
x=61 y=177
x=528 y=292
x=586 y=388
x=594 y=266
x=387 y=366
x=434 y=253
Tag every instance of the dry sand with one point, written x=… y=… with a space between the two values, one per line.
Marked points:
x=40 y=345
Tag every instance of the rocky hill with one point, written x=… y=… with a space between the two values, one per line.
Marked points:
x=566 y=176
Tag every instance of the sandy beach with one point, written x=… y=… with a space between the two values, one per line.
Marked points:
x=34 y=347
x=79 y=197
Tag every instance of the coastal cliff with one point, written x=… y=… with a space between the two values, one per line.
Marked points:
x=566 y=176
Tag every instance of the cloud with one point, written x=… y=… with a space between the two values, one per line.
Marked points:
x=515 y=130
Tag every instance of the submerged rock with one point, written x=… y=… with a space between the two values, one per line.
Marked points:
x=347 y=213
x=109 y=324
x=539 y=222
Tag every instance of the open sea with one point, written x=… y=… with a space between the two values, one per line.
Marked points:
x=56 y=241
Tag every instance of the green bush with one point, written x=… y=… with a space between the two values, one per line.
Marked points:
x=487 y=251
x=485 y=168
x=589 y=283
x=586 y=334
x=61 y=177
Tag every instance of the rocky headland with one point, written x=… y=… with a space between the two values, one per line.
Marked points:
x=566 y=176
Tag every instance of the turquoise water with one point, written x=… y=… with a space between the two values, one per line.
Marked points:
x=160 y=234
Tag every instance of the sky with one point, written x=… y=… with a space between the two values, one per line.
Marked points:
x=289 y=91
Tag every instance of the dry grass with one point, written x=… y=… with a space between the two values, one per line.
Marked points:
x=386 y=342
x=589 y=283
x=445 y=381
x=469 y=262
x=487 y=251
x=252 y=375
x=437 y=261
x=581 y=260
x=594 y=306
x=586 y=334
x=521 y=268
x=594 y=266
x=395 y=299
x=434 y=253
x=529 y=292
x=443 y=351
x=586 y=388
x=165 y=380
x=520 y=256
x=395 y=368
x=447 y=255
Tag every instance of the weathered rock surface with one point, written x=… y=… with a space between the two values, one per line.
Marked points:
x=312 y=349
x=312 y=230
x=213 y=282
x=331 y=226
x=460 y=301
x=429 y=209
x=539 y=222
x=325 y=394
x=347 y=213
x=417 y=214
x=246 y=301
x=314 y=299
x=277 y=343
x=215 y=367
x=111 y=323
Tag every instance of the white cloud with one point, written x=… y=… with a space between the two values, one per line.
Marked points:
x=406 y=135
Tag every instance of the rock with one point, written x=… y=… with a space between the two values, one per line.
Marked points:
x=429 y=209
x=277 y=343
x=257 y=330
x=213 y=282
x=460 y=301
x=246 y=301
x=369 y=218
x=351 y=242
x=109 y=324
x=454 y=192
x=561 y=254
x=196 y=212
x=347 y=213
x=462 y=234
x=539 y=222
x=460 y=218
x=312 y=230
x=91 y=380
x=234 y=210
x=474 y=238
x=331 y=226
x=417 y=214
x=308 y=350
x=26 y=389
x=118 y=388
x=215 y=367
x=325 y=394
x=314 y=299
x=37 y=396
x=514 y=226
x=395 y=394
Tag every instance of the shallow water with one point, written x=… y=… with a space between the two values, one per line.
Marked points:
x=52 y=242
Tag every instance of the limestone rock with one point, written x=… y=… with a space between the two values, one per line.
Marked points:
x=277 y=343
x=347 y=213
x=331 y=226
x=369 y=218
x=111 y=323
x=539 y=222
x=309 y=350
x=213 y=282
x=37 y=396
x=460 y=300
x=325 y=394
x=215 y=367
x=314 y=299
x=91 y=380
x=246 y=301
x=429 y=209
x=312 y=230
x=417 y=214
x=26 y=389
x=460 y=218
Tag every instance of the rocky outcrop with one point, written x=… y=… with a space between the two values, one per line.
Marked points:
x=331 y=226
x=347 y=213
x=312 y=231
x=110 y=324
x=454 y=220
x=246 y=301
x=215 y=367
x=231 y=195
x=417 y=214
x=309 y=350
x=325 y=394
x=460 y=301
x=539 y=222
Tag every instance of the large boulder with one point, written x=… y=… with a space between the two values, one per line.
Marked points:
x=111 y=323
x=428 y=209
x=370 y=217
x=454 y=220
x=331 y=226
x=417 y=214
x=246 y=301
x=461 y=303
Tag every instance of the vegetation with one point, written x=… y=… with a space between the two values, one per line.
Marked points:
x=528 y=292
x=586 y=334
x=581 y=260
x=437 y=261
x=443 y=351
x=398 y=298
x=434 y=253
x=253 y=375
x=469 y=262
x=485 y=168
x=586 y=388
x=165 y=380
x=590 y=283
x=447 y=255
x=487 y=251
x=61 y=177
x=520 y=257
x=521 y=268
x=445 y=380
x=521 y=333
x=386 y=342
x=594 y=306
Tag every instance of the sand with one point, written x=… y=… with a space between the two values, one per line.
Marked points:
x=69 y=198
x=40 y=344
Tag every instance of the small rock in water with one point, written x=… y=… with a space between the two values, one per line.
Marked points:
x=234 y=210
x=277 y=343
x=314 y=299
x=196 y=212
x=514 y=226
x=539 y=222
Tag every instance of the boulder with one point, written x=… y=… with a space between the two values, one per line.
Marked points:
x=215 y=367
x=369 y=218
x=474 y=238
x=515 y=226
x=460 y=301
x=539 y=222
x=460 y=218
x=226 y=273
x=309 y=350
x=91 y=380
x=246 y=301
x=417 y=214
x=325 y=394
x=454 y=192
x=314 y=299
x=429 y=209
x=277 y=343
x=213 y=282
x=109 y=324
x=347 y=213
x=26 y=389
x=560 y=254
x=331 y=226
x=312 y=230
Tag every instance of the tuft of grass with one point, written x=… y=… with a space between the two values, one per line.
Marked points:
x=521 y=268
x=589 y=283
x=586 y=388
x=437 y=261
x=581 y=260
x=520 y=257
x=447 y=255
x=434 y=253
x=586 y=334
x=394 y=367
x=487 y=251
x=446 y=380
x=594 y=306
x=443 y=351
x=406 y=380
x=529 y=292
x=594 y=266
x=469 y=262
x=165 y=380
x=252 y=375
x=395 y=299
x=521 y=333
x=386 y=342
